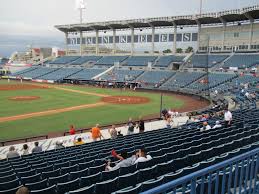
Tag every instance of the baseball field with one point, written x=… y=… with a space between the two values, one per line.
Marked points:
x=30 y=109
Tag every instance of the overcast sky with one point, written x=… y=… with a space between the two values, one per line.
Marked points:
x=37 y=17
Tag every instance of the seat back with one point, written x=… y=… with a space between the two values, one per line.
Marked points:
x=68 y=186
x=48 y=190
x=106 y=187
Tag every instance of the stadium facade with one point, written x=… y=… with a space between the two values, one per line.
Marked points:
x=231 y=30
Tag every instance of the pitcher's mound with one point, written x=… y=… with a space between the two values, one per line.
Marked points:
x=24 y=98
x=125 y=99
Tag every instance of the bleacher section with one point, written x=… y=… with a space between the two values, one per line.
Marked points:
x=64 y=60
x=242 y=61
x=38 y=72
x=20 y=73
x=155 y=77
x=207 y=61
x=86 y=59
x=139 y=60
x=165 y=61
x=60 y=74
x=86 y=74
x=214 y=79
x=181 y=80
x=240 y=80
x=121 y=75
x=175 y=153
x=110 y=60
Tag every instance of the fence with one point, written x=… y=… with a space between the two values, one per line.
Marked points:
x=234 y=176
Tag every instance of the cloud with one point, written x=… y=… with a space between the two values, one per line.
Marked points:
x=22 y=28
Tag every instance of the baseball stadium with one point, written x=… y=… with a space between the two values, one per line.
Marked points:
x=147 y=105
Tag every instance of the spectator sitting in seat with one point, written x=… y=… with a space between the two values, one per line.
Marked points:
x=125 y=161
x=205 y=127
x=189 y=120
x=119 y=134
x=79 y=141
x=72 y=130
x=113 y=132
x=218 y=125
x=37 y=148
x=23 y=190
x=141 y=156
x=25 y=148
x=12 y=153
x=59 y=144
x=227 y=117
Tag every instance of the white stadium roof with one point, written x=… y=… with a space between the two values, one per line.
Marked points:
x=214 y=18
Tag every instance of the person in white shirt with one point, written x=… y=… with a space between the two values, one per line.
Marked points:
x=205 y=127
x=247 y=95
x=142 y=156
x=218 y=125
x=227 y=117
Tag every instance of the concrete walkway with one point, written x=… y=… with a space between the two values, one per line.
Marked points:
x=49 y=144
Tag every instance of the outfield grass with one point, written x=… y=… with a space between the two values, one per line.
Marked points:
x=52 y=98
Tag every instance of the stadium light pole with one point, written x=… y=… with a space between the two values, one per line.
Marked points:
x=200 y=7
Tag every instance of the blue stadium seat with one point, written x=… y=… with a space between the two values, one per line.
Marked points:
x=84 y=190
x=86 y=165
x=127 y=170
x=68 y=186
x=10 y=177
x=68 y=169
x=89 y=180
x=129 y=190
x=44 y=169
x=127 y=180
x=48 y=190
x=78 y=174
x=27 y=173
x=10 y=191
x=106 y=187
x=59 y=179
x=106 y=175
x=172 y=176
x=61 y=165
x=151 y=184
x=39 y=165
x=77 y=161
x=147 y=174
x=96 y=169
x=37 y=185
x=9 y=184
x=31 y=179
x=53 y=173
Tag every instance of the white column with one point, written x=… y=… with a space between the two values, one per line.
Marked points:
x=199 y=36
x=223 y=36
x=251 y=34
x=81 y=40
x=132 y=41
x=153 y=41
x=66 y=42
x=97 y=42
x=114 y=43
x=175 y=35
